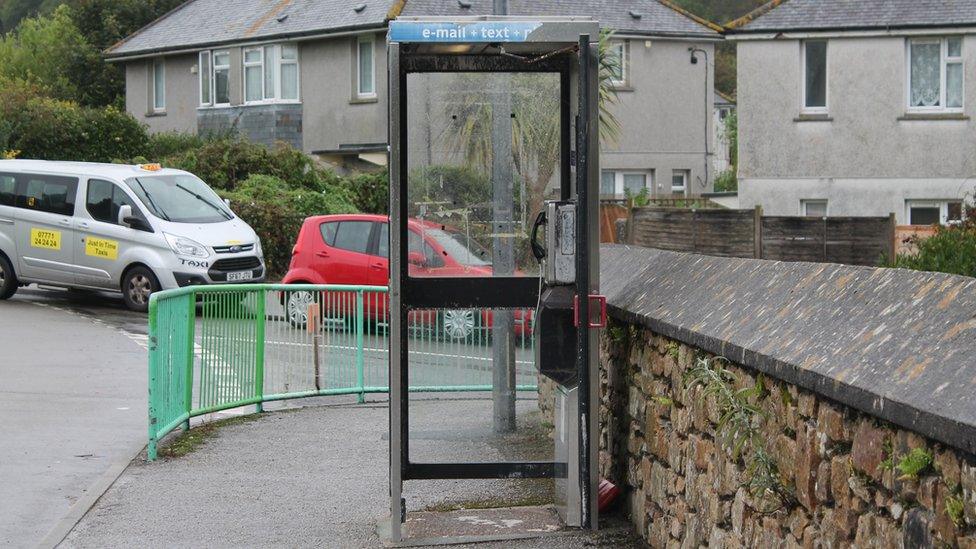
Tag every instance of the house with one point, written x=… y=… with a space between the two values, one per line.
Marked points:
x=724 y=106
x=313 y=74
x=857 y=108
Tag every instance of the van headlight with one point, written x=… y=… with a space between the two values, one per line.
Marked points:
x=184 y=246
x=258 y=248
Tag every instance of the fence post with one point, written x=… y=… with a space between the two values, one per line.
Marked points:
x=360 y=359
x=153 y=367
x=190 y=333
x=757 y=238
x=892 y=238
x=259 y=351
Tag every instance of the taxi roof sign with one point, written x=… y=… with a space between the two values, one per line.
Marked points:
x=489 y=29
x=155 y=167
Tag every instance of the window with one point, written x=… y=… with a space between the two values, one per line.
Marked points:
x=383 y=246
x=934 y=212
x=221 y=77
x=634 y=183
x=289 y=72
x=353 y=236
x=607 y=183
x=159 y=85
x=270 y=73
x=935 y=74
x=416 y=243
x=620 y=183
x=329 y=232
x=49 y=194
x=814 y=76
x=813 y=208
x=8 y=188
x=206 y=79
x=679 y=182
x=618 y=63
x=105 y=199
x=253 y=75
x=366 y=69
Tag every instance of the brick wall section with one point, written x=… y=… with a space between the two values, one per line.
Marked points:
x=682 y=488
x=265 y=124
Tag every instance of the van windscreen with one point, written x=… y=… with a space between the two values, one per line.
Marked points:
x=180 y=199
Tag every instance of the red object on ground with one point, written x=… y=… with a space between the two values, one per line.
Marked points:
x=608 y=492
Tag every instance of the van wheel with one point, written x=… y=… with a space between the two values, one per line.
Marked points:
x=8 y=280
x=138 y=284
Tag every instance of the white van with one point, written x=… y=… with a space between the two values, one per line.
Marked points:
x=129 y=229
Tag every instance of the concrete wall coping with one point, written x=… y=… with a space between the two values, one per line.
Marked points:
x=896 y=344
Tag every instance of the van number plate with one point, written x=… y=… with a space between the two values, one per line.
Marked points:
x=237 y=277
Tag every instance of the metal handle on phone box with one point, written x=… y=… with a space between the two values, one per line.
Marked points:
x=602 y=300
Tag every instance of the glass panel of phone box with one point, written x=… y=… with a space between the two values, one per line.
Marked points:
x=468 y=218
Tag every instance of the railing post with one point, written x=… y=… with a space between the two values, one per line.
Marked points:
x=153 y=368
x=190 y=332
x=259 y=352
x=360 y=375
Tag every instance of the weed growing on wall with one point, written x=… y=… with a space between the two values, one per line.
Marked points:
x=914 y=463
x=740 y=430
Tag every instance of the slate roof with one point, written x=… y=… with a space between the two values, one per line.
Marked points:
x=202 y=23
x=809 y=15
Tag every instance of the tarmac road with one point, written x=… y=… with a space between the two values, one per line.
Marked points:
x=73 y=403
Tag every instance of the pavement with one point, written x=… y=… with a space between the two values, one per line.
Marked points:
x=73 y=403
x=317 y=477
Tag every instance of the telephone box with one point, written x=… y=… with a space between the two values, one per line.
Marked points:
x=494 y=138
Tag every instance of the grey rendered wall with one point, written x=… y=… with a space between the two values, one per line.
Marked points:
x=663 y=115
x=181 y=94
x=867 y=160
x=332 y=115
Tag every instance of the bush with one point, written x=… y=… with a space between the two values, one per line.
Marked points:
x=726 y=181
x=950 y=250
x=275 y=210
x=370 y=192
x=50 y=129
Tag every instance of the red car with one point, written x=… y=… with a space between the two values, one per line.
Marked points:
x=354 y=249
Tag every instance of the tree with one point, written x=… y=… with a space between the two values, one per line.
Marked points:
x=47 y=52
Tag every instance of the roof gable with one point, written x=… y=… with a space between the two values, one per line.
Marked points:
x=808 y=15
x=203 y=23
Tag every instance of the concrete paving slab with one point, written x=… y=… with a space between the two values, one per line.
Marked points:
x=312 y=477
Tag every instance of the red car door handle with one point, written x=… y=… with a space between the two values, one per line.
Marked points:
x=378 y=266
x=322 y=254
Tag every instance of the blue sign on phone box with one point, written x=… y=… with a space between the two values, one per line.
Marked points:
x=481 y=31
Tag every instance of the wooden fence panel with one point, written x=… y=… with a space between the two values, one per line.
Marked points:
x=609 y=214
x=734 y=233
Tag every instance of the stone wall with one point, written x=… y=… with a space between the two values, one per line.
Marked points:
x=841 y=469
x=856 y=385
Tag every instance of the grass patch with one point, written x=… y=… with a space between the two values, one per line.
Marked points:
x=188 y=441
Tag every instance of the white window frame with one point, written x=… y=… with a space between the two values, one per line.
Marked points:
x=360 y=40
x=250 y=65
x=685 y=176
x=213 y=77
x=281 y=62
x=619 y=47
x=158 y=64
x=618 y=181
x=942 y=204
x=208 y=76
x=944 y=61
x=806 y=202
x=803 y=79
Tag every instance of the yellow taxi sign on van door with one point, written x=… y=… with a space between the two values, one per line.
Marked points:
x=102 y=248
x=45 y=239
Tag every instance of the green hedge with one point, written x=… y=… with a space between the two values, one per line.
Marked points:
x=950 y=250
x=49 y=129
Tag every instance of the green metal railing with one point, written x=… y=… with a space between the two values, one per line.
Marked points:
x=214 y=348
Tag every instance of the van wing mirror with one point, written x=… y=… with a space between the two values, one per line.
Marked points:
x=125 y=212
